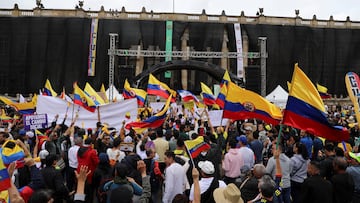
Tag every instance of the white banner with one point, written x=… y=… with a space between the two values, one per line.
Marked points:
x=239 y=50
x=216 y=116
x=113 y=114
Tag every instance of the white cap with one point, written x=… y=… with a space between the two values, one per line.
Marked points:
x=128 y=139
x=43 y=154
x=30 y=134
x=248 y=128
x=207 y=167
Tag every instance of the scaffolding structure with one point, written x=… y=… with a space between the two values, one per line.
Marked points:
x=112 y=52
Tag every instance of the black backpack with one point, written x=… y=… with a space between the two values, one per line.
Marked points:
x=207 y=196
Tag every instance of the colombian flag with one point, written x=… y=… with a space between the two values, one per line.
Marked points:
x=22 y=108
x=187 y=96
x=155 y=87
x=130 y=92
x=153 y=122
x=93 y=95
x=48 y=90
x=305 y=109
x=102 y=90
x=207 y=95
x=196 y=146
x=4 y=176
x=80 y=98
x=220 y=100
x=242 y=104
x=323 y=91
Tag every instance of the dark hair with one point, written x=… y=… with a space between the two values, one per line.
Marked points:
x=88 y=141
x=41 y=196
x=148 y=152
x=340 y=162
x=159 y=132
x=302 y=150
x=232 y=143
x=329 y=147
x=4 y=134
x=170 y=154
x=176 y=134
x=49 y=160
x=256 y=135
x=180 y=142
x=117 y=142
x=194 y=136
x=121 y=170
x=180 y=198
x=339 y=151
x=316 y=164
x=81 y=132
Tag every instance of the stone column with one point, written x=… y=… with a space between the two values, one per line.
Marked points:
x=185 y=48
x=245 y=44
x=224 y=49
x=139 y=61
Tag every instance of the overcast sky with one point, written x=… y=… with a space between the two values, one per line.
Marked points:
x=286 y=8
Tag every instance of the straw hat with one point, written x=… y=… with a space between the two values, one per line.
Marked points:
x=229 y=194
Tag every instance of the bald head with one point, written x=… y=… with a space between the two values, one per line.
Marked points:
x=259 y=170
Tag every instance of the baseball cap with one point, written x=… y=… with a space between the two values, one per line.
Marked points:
x=355 y=156
x=242 y=139
x=207 y=167
x=248 y=128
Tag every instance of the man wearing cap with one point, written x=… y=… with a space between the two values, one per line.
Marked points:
x=354 y=171
x=208 y=182
x=246 y=152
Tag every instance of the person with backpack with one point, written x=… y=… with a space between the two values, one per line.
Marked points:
x=102 y=175
x=208 y=182
x=122 y=185
x=153 y=170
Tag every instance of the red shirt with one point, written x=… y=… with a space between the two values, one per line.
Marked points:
x=87 y=156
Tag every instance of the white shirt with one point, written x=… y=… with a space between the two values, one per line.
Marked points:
x=174 y=182
x=116 y=154
x=204 y=184
x=248 y=156
x=72 y=155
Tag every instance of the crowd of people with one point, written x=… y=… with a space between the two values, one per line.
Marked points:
x=247 y=161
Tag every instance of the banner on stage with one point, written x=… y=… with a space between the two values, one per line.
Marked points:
x=92 y=46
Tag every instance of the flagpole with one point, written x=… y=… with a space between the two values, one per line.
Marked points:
x=192 y=161
x=278 y=137
x=98 y=113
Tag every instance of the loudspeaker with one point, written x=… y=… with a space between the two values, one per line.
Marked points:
x=124 y=72
x=253 y=78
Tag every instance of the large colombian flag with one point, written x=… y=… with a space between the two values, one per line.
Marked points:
x=153 y=122
x=130 y=92
x=305 y=109
x=242 y=104
x=155 y=87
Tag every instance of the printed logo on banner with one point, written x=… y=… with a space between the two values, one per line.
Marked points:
x=33 y=122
